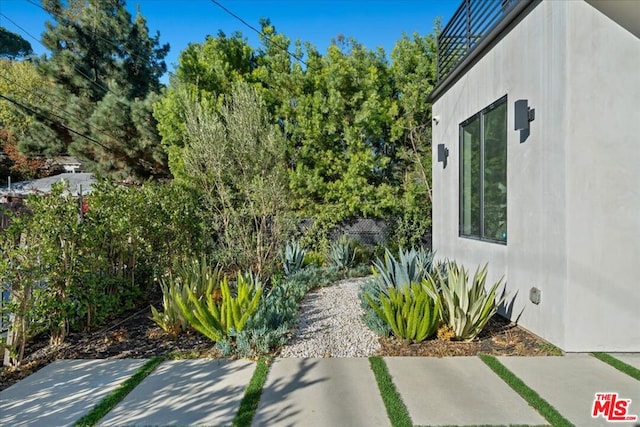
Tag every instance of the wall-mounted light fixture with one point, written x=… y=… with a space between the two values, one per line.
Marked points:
x=443 y=153
x=523 y=115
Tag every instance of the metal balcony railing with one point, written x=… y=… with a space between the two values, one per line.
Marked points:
x=471 y=22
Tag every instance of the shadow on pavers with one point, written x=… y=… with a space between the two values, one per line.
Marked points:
x=63 y=391
x=186 y=392
x=321 y=392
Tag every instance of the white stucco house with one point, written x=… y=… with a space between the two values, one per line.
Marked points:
x=536 y=171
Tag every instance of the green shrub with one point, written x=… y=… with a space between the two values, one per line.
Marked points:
x=313 y=258
x=412 y=312
x=466 y=309
x=218 y=314
x=370 y=291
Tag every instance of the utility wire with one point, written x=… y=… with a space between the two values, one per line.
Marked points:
x=43 y=115
x=98 y=85
x=111 y=42
x=41 y=95
x=283 y=48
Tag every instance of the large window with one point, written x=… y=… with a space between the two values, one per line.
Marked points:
x=483 y=174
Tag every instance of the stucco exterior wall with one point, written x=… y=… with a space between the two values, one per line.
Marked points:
x=550 y=237
x=603 y=183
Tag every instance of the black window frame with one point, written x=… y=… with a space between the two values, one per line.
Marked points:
x=479 y=116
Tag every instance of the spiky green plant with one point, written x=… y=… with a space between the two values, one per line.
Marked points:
x=342 y=254
x=171 y=319
x=292 y=258
x=195 y=275
x=412 y=311
x=466 y=309
x=217 y=314
x=411 y=266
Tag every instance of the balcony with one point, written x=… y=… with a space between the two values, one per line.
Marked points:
x=472 y=22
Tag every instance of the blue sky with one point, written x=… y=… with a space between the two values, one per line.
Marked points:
x=372 y=23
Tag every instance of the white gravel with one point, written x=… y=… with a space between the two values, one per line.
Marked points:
x=331 y=324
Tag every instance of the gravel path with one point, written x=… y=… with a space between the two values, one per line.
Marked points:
x=331 y=325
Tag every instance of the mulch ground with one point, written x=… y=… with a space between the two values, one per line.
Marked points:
x=134 y=335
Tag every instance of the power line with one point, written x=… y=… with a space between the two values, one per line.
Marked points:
x=111 y=42
x=41 y=114
x=283 y=48
x=42 y=96
x=98 y=85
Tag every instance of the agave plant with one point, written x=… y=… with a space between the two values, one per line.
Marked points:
x=412 y=266
x=292 y=258
x=341 y=254
x=412 y=312
x=466 y=309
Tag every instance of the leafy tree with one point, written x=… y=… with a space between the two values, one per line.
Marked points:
x=12 y=46
x=235 y=157
x=357 y=128
x=414 y=71
x=105 y=68
x=340 y=138
x=19 y=80
x=206 y=71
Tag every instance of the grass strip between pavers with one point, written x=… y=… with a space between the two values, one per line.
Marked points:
x=251 y=399
x=396 y=410
x=116 y=396
x=632 y=371
x=545 y=409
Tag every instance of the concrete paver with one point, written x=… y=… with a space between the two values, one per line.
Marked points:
x=185 y=392
x=457 y=391
x=632 y=359
x=321 y=392
x=569 y=383
x=62 y=392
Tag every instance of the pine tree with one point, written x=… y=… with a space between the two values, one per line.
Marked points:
x=12 y=46
x=106 y=70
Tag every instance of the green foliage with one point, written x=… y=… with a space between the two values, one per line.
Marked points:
x=216 y=316
x=12 y=46
x=205 y=71
x=292 y=258
x=534 y=400
x=613 y=361
x=412 y=312
x=109 y=402
x=370 y=291
x=342 y=254
x=411 y=266
x=105 y=68
x=277 y=314
x=466 y=308
x=356 y=129
x=314 y=258
x=68 y=270
x=396 y=409
x=234 y=158
x=196 y=277
x=251 y=399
